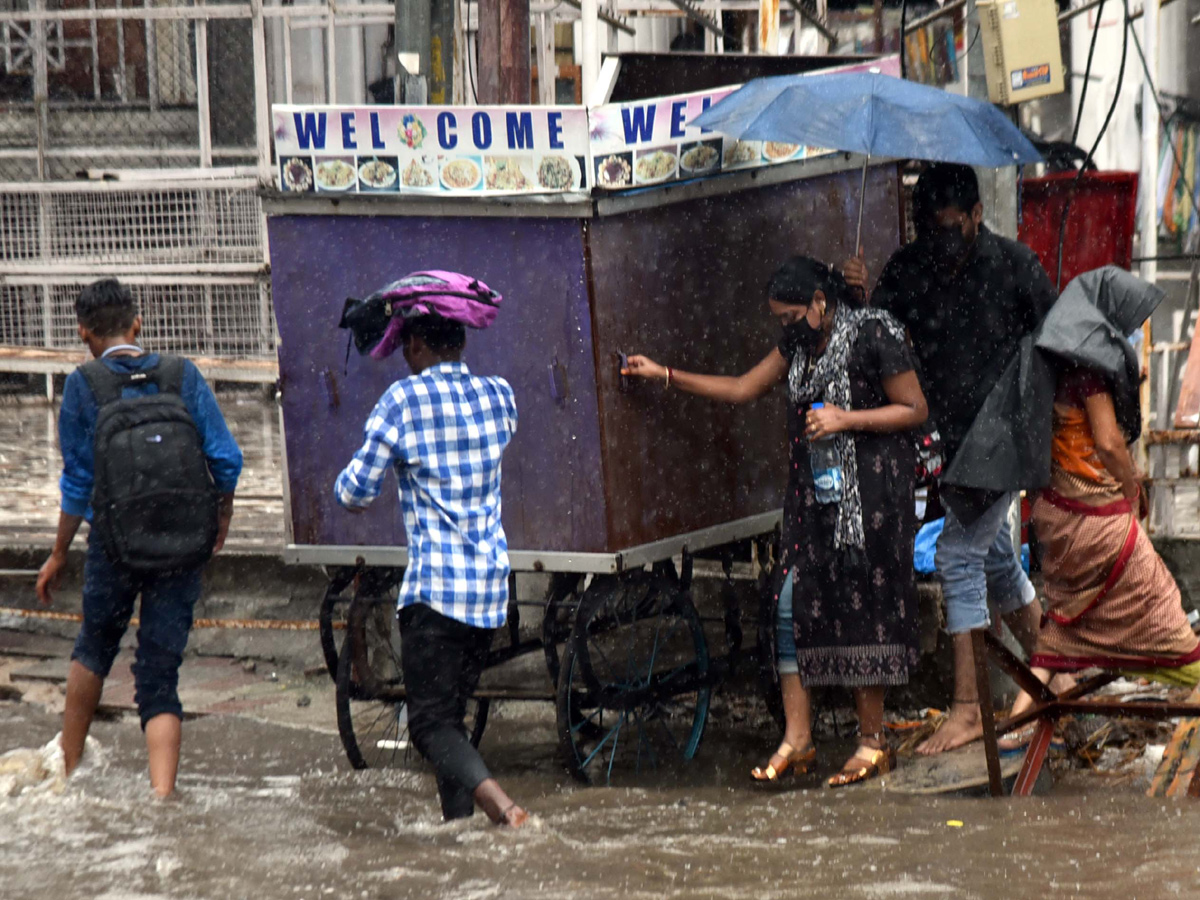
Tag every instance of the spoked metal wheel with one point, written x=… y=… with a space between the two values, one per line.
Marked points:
x=635 y=683
x=562 y=605
x=331 y=619
x=372 y=711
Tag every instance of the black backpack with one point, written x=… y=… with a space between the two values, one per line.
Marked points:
x=154 y=504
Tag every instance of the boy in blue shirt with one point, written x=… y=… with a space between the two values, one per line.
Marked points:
x=109 y=324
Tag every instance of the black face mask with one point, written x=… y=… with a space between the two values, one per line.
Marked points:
x=803 y=335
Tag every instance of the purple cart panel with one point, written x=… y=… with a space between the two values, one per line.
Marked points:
x=686 y=285
x=541 y=343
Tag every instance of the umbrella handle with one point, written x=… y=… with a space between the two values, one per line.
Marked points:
x=862 y=202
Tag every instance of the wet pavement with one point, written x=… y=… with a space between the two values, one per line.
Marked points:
x=30 y=465
x=272 y=810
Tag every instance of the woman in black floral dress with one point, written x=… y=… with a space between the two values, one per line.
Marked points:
x=847 y=614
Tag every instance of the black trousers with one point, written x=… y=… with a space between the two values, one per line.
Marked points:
x=442 y=660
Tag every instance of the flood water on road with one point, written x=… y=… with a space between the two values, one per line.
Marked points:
x=272 y=812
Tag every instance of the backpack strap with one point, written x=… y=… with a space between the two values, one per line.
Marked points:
x=168 y=374
x=107 y=386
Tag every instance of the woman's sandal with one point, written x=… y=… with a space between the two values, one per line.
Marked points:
x=876 y=762
x=795 y=762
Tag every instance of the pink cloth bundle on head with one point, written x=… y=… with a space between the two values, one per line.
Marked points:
x=451 y=295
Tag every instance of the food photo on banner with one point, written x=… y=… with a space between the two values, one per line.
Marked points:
x=431 y=150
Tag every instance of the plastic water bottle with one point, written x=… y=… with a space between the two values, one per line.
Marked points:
x=826 y=467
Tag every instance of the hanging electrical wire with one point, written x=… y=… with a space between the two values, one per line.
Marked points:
x=1062 y=224
x=1087 y=73
x=1179 y=162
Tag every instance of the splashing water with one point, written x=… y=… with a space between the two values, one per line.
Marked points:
x=41 y=770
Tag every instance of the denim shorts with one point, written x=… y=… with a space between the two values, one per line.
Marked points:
x=785 y=633
x=977 y=563
x=168 y=600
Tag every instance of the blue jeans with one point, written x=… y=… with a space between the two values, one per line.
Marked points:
x=978 y=562
x=785 y=633
x=168 y=599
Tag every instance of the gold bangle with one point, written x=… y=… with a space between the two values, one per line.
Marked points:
x=668 y=385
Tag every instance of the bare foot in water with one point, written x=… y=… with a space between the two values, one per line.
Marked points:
x=498 y=806
x=963 y=725
x=514 y=817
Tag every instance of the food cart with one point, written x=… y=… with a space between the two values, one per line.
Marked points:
x=601 y=246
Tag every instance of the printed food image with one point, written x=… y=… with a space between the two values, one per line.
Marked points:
x=555 y=173
x=460 y=174
x=335 y=174
x=417 y=176
x=504 y=173
x=775 y=150
x=613 y=171
x=377 y=173
x=699 y=158
x=297 y=176
x=741 y=153
x=656 y=166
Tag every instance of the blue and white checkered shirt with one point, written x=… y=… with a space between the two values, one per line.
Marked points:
x=444 y=432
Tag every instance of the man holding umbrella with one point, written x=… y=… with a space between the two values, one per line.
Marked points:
x=967 y=297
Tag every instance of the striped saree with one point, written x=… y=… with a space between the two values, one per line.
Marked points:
x=1110 y=600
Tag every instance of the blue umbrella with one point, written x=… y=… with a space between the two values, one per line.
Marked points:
x=871 y=114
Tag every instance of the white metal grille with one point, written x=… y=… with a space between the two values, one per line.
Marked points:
x=201 y=226
x=233 y=321
x=21 y=315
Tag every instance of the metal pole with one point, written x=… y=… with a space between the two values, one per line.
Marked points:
x=41 y=89
x=414 y=49
x=331 y=61
x=262 y=101
x=287 y=60
x=590 y=51
x=547 y=70
x=768 y=27
x=203 y=119
x=1149 y=182
x=862 y=202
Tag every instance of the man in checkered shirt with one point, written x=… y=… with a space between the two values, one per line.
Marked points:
x=444 y=431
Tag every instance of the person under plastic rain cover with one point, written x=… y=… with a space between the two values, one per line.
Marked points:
x=967 y=297
x=444 y=432
x=1110 y=600
x=845 y=612
x=149 y=461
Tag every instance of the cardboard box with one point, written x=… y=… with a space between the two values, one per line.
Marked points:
x=1021 y=50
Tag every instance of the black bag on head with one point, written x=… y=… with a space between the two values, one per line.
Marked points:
x=154 y=504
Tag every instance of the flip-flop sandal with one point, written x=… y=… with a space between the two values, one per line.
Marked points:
x=1020 y=739
x=795 y=762
x=878 y=762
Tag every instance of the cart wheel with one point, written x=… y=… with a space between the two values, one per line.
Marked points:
x=562 y=603
x=634 y=688
x=768 y=674
x=331 y=620
x=372 y=715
